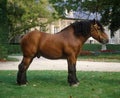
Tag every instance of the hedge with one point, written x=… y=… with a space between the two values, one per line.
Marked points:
x=97 y=47
x=15 y=48
x=3 y=52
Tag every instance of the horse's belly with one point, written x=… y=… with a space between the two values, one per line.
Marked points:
x=51 y=53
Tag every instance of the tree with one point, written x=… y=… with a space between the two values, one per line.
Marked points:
x=62 y=5
x=23 y=15
x=3 y=29
x=3 y=22
x=109 y=10
x=17 y=16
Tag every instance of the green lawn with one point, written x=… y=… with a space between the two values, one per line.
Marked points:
x=101 y=57
x=53 y=84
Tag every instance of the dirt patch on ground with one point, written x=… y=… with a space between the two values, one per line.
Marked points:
x=45 y=64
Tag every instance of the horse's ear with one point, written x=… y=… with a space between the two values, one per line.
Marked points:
x=94 y=21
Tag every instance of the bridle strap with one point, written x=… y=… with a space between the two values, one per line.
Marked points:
x=95 y=29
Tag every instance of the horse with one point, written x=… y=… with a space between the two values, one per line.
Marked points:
x=65 y=44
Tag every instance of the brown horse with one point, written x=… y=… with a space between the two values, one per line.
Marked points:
x=65 y=44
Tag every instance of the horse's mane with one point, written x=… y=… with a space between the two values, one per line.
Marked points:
x=83 y=27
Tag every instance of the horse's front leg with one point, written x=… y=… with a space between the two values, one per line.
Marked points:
x=22 y=68
x=72 y=78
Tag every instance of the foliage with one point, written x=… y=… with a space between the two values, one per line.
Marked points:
x=113 y=47
x=108 y=9
x=62 y=5
x=14 y=49
x=3 y=17
x=3 y=29
x=93 y=52
x=17 y=16
x=53 y=84
x=97 y=47
x=3 y=22
x=3 y=52
x=91 y=47
x=24 y=15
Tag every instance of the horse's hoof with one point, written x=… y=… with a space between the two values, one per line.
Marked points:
x=75 y=85
x=22 y=84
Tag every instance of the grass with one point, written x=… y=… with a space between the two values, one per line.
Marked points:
x=53 y=84
x=101 y=58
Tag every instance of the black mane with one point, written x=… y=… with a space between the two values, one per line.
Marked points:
x=84 y=27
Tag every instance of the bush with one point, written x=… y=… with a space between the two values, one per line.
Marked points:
x=14 y=49
x=91 y=47
x=97 y=47
x=3 y=52
x=113 y=47
x=9 y=49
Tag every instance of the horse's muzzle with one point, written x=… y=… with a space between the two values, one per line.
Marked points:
x=105 y=41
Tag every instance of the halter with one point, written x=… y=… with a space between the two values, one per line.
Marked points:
x=94 y=27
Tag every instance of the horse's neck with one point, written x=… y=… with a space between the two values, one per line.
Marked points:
x=69 y=33
x=83 y=39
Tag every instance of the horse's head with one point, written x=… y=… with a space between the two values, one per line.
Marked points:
x=97 y=32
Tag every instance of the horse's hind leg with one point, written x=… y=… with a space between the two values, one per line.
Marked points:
x=23 y=66
x=72 y=78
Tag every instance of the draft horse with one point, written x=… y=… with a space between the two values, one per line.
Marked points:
x=65 y=44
